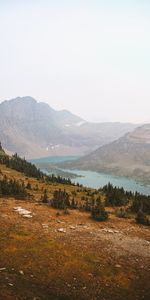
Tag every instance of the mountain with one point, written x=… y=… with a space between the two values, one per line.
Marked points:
x=128 y=156
x=34 y=129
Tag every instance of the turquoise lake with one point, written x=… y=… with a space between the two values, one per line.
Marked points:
x=97 y=180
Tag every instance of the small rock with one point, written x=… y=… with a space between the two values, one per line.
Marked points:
x=117 y=266
x=27 y=216
x=84 y=288
x=104 y=229
x=2 y=269
x=61 y=230
x=137 y=259
x=17 y=208
x=45 y=226
x=147 y=243
x=21 y=272
x=110 y=231
x=11 y=284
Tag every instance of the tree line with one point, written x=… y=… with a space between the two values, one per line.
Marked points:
x=27 y=168
x=12 y=187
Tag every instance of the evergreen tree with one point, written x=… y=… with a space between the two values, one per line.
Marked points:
x=60 y=199
x=45 y=197
x=98 y=212
x=141 y=218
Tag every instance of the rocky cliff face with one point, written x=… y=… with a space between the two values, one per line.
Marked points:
x=34 y=129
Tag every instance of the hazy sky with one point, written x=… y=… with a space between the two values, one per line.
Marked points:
x=90 y=57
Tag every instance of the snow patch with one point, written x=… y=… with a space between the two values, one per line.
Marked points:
x=80 y=123
x=67 y=125
x=55 y=146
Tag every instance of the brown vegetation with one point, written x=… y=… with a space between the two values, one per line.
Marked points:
x=53 y=255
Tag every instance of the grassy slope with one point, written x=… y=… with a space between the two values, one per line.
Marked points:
x=86 y=262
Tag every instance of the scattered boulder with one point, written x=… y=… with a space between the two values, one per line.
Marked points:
x=45 y=225
x=24 y=212
x=27 y=216
x=61 y=230
x=72 y=227
x=2 y=269
x=11 y=284
x=21 y=272
x=118 y=266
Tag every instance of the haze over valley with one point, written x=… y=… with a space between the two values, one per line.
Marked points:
x=74 y=150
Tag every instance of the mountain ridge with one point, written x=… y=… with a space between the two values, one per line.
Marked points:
x=34 y=129
x=127 y=156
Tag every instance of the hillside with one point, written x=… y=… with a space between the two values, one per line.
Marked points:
x=128 y=156
x=49 y=254
x=35 y=129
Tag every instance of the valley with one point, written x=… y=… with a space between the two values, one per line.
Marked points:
x=128 y=156
x=52 y=165
x=74 y=150
x=64 y=254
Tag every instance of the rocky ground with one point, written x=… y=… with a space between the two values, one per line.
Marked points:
x=48 y=255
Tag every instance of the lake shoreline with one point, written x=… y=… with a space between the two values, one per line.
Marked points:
x=91 y=179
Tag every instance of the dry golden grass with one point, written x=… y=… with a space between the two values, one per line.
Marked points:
x=85 y=262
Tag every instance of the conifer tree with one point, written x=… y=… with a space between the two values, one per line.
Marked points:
x=98 y=212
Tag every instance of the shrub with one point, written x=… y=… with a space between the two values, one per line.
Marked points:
x=44 y=198
x=122 y=213
x=98 y=212
x=60 y=199
x=141 y=218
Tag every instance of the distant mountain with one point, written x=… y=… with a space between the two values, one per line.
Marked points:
x=128 y=156
x=34 y=129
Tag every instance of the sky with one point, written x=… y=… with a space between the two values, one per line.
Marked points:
x=90 y=57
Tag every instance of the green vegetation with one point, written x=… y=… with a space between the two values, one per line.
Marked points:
x=12 y=187
x=21 y=165
x=122 y=213
x=60 y=199
x=134 y=202
x=44 y=198
x=141 y=218
x=115 y=196
x=65 y=197
x=29 y=169
x=141 y=202
x=98 y=212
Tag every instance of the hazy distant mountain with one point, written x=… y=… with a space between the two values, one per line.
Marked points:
x=127 y=156
x=35 y=129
